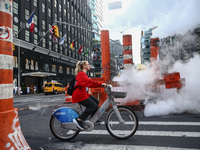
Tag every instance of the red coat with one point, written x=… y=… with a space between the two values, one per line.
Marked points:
x=82 y=81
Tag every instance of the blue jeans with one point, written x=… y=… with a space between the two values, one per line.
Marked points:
x=91 y=105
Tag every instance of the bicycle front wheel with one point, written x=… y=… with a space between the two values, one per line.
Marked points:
x=60 y=132
x=122 y=130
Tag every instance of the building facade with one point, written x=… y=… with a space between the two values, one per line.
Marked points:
x=49 y=60
x=116 y=51
x=96 y=7
x=179 y=47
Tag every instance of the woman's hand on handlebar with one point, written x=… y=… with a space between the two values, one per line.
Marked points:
x=104 y=85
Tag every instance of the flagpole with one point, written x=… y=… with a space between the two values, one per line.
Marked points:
x=25 y=22
x=40 y=40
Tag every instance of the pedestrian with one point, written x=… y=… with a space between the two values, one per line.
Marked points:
x=34 y=89
x=19 y=91
x=28 y=89
x=16 y=90
x=80 y=94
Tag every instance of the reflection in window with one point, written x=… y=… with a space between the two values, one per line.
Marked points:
x=60 y=69
x=27 y=64
x=36 y=65
x=32 y=65
x=46 y=67
x=67 y=71
x=73 y=72
x=53 y=68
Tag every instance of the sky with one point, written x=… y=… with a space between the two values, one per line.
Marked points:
x=171 y=17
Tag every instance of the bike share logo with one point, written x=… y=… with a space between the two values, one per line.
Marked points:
x=4 y=32
x=60 y=113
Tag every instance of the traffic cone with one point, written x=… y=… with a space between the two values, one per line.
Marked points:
x=68 y=98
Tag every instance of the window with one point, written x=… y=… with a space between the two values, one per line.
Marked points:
x=36 y=65
x=15 y=62
x=67 y=71
x=35 y=3
x=46 y=67
x=43 y=24
x=27 y=64
x=32 y=65
x=56 y=48
x=26 y=35
x=50 y=44
x=55 y=3
x=73 y=72
x=59 y=7
x=26 y=14
x=35 y=38
x=15 y=8
x=55 y=16
x=60 y=69
x=49 y=12
x=43 y=7
x=35 y=19
x=44 y=43
x=15 y=30
x=53 y=68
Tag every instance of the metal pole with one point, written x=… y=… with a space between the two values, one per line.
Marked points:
x=39 y=41
x=19 y=68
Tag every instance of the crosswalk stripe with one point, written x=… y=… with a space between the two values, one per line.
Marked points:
x=149 y=133
x=83 y=146
x=162 y=123
x=169 y=123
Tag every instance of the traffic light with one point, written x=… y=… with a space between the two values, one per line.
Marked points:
x=13 y=47
x=56 y=31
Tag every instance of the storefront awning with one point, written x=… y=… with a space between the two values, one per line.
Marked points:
x=38 y=74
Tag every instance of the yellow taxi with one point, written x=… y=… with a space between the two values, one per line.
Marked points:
x=53 y=87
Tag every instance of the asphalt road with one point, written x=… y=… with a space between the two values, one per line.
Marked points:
x=165 y=132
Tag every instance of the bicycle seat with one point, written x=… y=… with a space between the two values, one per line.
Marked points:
x=119 y=94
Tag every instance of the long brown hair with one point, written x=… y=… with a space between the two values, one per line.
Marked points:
x=79 y=66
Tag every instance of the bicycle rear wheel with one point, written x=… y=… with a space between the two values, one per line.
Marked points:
x=60 y=132
x=124 y=130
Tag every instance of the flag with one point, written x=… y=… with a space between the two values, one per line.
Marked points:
x=62 y=40
x=80 y=49
x=31 y=22
x=72 y=45
x=51 y=31
x=86 y=53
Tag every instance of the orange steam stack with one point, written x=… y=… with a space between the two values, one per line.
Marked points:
x=127 y=52
x=11 y=136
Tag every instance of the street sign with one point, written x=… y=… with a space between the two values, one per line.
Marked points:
x=172 y=80
x=99 y=89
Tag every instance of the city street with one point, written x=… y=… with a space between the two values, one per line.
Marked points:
x=163 y=132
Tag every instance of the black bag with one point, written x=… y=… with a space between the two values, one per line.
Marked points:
x=71 y=87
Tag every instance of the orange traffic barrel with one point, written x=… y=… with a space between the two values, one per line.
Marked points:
x=68 y=98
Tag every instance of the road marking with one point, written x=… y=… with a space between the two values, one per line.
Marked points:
x=83 y=146
x=169 y=123
x=162 y=123
x=149 y=133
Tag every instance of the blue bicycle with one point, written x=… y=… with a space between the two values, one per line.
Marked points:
x=121 y=122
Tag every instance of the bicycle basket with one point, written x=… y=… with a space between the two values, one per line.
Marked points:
x=119 y=94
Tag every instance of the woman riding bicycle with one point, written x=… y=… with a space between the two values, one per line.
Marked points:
x=80 y=94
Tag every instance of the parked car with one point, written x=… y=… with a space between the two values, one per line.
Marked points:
x=55 y=88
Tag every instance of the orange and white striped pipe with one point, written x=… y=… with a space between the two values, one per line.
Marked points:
x=11 y=136
x=127 y=51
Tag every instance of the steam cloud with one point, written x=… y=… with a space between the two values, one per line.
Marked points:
x=167 y=101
